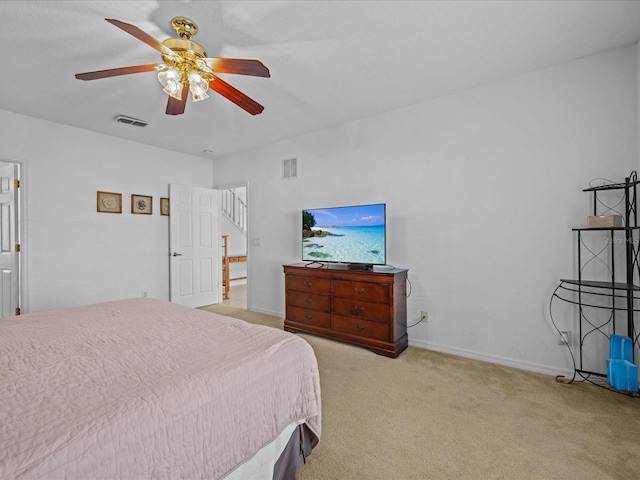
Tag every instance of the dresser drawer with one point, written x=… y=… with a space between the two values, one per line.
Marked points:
x=308 y=316
x=312 y=301
x=361 y=327
x=308 y=284
x=365 y=290
x=354 y=307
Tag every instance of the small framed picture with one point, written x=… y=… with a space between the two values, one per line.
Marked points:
x=141 y=204
x=164 y=206
x=109 y=202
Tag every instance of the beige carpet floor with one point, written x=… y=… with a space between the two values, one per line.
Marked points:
x=237 y=296
x=429 y=415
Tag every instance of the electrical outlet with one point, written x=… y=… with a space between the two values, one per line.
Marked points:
x=564 y=337
x=424 y=316
x=145 y=294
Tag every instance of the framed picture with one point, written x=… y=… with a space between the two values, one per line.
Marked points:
x=164 y=206
x=141 y=204
x=109 y=202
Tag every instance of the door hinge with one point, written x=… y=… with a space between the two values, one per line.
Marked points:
x=17 y=310
x=16 y=183
x=17 y=247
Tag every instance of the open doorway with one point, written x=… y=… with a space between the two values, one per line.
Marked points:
x=233 y=225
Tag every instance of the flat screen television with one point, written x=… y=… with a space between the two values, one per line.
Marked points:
x=355 y=235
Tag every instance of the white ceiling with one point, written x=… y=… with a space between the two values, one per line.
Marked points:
x=330 y=61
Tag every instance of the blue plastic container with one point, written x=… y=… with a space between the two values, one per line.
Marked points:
x=622 y=375
x=620 y=348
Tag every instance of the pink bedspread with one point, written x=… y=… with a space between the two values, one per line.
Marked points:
x=143 y=388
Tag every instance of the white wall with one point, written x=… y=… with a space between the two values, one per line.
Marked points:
x=482 y=189
x=76 y=255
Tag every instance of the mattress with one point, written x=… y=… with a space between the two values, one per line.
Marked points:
x=143 y=388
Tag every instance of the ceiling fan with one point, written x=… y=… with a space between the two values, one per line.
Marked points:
x=186 y=68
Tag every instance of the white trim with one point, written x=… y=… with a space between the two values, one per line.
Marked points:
x=266 y=312
x=507 y=362
x=532 y=367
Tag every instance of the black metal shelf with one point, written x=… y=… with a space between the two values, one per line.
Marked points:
x=603 y=285
x=614 y=186
x=613 y=229
x=603 y=302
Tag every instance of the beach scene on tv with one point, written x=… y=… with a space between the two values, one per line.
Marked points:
x=344 y=234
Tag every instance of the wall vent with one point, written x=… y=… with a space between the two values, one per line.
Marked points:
x=130 y=121
x=290 y=168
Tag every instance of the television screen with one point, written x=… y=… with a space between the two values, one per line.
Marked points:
x=350 y=234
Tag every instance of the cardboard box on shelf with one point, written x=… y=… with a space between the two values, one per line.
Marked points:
x=604 y=221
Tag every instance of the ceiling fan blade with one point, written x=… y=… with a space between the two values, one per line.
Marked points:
x=236 y=96
x=142 y=36
x=238 y=66
x=114 y=72
x=175 y=106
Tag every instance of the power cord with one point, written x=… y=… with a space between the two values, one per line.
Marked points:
x=409 y=326
x=408 y=295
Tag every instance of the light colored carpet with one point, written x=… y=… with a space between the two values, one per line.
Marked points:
x=428 y=415
x=237 y=296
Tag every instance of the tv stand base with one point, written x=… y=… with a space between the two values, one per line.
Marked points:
x=360 y=266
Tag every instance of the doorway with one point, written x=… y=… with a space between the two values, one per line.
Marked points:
x=233 y=222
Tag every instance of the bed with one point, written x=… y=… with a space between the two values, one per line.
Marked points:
x=143 y=388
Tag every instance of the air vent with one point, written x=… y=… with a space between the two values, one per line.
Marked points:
x=130 y=121
x=290 y=168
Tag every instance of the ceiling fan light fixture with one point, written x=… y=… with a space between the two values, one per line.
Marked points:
x=169 y=78
x=186 y=65
x=198 y=86
x=175 y=92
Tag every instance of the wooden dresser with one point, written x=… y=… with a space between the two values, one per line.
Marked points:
x=366 y=308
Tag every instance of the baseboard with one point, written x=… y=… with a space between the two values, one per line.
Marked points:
x=266 y=312
x=507 y=362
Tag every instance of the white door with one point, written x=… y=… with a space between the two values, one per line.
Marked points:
x=195 y=262
x=9 y=256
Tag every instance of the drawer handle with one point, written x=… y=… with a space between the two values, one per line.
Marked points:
x=307 y=284
x=358 y=291
x=308 y=317
x=308 y=300
x=358 y=327
x=357 y=309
